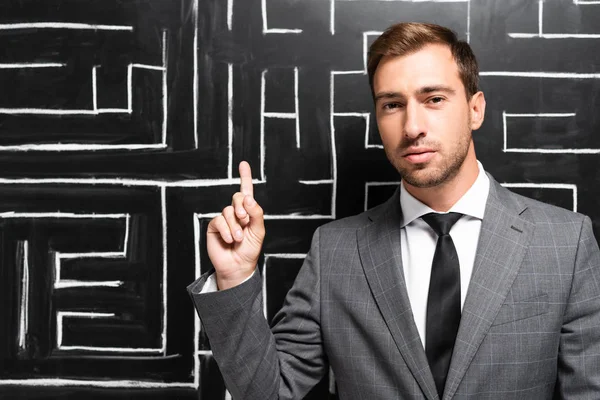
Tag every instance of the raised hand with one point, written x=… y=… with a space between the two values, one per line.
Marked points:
x=235 y=237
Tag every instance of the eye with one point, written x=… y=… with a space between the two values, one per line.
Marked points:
x=436 y=100
x=391 y=106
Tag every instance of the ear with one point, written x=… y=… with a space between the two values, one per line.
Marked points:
x=477 y=110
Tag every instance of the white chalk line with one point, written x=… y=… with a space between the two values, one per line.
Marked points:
x=68 y=283
x=559 y=186
x=554 y=35
x=23 y=310
x=276 y=30
x=79 y=147
x=534 y=150
x=317 y=182
x=286 y=217
x=553 y=151
x=541 y=115
x=91 y=383
x=56 y=111
x=348 y=72
x=164 y=86
x=195 y=78
x=163 y=208
x=297 y=105
x=263 y=175
x=230 y=121
x=267 y=30
x=332 y=17
x=197 y=323
x=469 y=22
x=229 y=14
x=411 y=1
x=61 y=315
x=366 y=47
x=280 y=115
x=65 y=25
x=191 y=183
x=31 y=65
x=535 y=74
x=540 y=17
x=332 y=138
x=20 y=215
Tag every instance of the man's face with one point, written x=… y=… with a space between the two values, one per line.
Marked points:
x=423 y=115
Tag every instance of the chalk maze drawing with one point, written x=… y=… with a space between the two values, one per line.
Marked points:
x=26 y=108
x=95 y=265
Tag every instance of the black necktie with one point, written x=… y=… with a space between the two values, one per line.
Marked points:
x=443 y=302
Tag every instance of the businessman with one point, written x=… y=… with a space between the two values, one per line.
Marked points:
x=455 y=288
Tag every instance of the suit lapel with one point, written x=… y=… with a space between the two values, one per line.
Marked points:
x=381 y=256
x=503 y=240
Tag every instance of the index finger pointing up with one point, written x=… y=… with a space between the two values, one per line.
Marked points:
x=246 y=179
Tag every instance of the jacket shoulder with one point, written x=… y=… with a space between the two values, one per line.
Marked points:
x=540 y=212
x=357 y=221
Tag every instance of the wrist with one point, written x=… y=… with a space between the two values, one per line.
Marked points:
x=225 y=282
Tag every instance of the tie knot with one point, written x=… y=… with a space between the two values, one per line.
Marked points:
x=441 y=223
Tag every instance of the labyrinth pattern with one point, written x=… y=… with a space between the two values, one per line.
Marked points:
x=122 y=124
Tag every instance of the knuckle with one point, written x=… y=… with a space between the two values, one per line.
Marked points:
x=220 y=222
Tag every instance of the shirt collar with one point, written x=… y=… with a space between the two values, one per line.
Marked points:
x=472 y=203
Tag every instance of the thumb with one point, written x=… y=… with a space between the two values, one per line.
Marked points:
x=255 y=212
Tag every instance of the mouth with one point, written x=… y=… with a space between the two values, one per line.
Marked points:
x=418 y=155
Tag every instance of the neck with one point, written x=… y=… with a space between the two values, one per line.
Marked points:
x=442 y=197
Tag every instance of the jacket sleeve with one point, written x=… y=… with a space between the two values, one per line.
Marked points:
x=579 y=349
x=258 y=363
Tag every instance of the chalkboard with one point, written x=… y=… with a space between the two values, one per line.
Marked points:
x=122 y=123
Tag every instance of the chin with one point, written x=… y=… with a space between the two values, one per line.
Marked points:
x=423 y=183
x=423 y=178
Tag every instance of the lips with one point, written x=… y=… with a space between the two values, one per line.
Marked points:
x=419 y=155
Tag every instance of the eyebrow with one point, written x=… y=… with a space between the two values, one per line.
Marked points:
x=436 y=88
x=421 y=91
x=388 y=95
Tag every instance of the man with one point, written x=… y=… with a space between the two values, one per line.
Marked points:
x=453 y=288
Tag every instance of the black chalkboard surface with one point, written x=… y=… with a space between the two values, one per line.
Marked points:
x=122 y=123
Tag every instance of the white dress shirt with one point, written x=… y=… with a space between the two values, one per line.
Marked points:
x=419 y=241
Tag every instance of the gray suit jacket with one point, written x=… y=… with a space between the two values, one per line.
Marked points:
x=530 y=327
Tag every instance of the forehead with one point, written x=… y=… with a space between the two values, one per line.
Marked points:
x=431 y=65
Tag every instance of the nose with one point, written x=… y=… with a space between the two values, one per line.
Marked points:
x=414 y=121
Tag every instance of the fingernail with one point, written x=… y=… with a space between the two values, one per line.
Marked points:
x=238 y=234
x=251 y=201
x=241 y=211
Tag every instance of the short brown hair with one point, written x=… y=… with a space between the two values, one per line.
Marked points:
x=409 y=37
